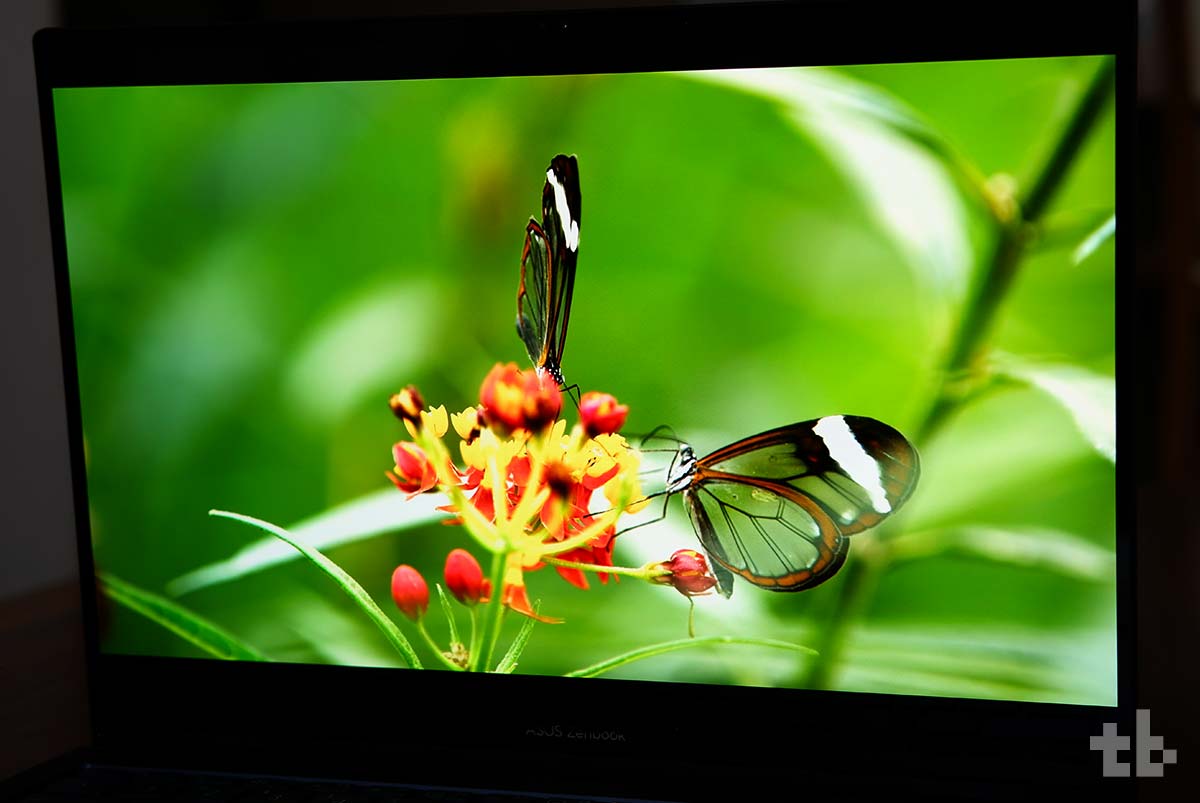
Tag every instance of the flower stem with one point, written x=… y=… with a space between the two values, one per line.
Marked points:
x=858 y=586
x=964 y=355
x=640 y=573
x=493 y=615
x=433 y=646
x=682 y=644
x=1011 y=240
x=600 y=523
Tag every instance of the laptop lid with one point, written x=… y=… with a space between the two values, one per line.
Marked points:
x=867 y=283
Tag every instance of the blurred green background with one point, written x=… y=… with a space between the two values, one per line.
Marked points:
x=254 y=269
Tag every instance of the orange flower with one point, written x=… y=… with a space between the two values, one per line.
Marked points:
x=517 y=598
x=414 y=472
x=516 y=399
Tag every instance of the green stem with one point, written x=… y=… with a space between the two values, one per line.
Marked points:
x=433 y=646
x=1094 y=99
x=858 y=586
x=640 y=573
x=1011 y=241
x=682 y=644
x=965 y=352
x=492 y=616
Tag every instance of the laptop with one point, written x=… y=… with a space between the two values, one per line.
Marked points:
x=660 y=404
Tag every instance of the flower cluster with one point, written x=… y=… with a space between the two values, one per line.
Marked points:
x=530 y=492
x=525 y=486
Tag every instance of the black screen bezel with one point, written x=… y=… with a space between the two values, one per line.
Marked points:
x=242 y=716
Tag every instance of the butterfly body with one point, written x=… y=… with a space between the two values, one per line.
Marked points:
x=777 y=508
x=548 y=262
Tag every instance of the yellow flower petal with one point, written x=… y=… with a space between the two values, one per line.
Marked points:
x=465 y=422
x=626 y=486
x=600 y=464
x=472 y=453
x=435 y=421
x=612 y=444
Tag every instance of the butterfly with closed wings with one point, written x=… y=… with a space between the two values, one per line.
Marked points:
x=777 y=508
x=548 y=269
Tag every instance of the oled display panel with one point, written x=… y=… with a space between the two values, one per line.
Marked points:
x=851 y=328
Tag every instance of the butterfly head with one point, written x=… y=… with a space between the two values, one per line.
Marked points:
x=683 y=468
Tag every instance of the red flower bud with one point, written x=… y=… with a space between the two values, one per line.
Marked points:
x=464 y=578
x=600 y=413
x=516 y=399
x=407 y=405
x=688 y=573
x=414 y=472
x=410 y=592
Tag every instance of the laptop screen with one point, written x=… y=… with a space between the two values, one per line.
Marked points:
x=836 y=409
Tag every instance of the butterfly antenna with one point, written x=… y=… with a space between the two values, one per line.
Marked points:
x=637 y=501
x=657 y=433
x=660 y=517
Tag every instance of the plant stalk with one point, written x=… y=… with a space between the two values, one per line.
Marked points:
x=966 y=351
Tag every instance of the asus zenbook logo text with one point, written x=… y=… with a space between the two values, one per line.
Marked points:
x=574 y=733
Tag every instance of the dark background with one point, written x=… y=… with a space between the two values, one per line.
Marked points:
x=41 y=691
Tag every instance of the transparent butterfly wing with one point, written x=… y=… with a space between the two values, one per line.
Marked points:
x=776 y=508
x=532 y=314
x=770 y=536
x=857 y=469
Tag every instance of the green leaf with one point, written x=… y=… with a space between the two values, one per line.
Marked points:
x=180 y=621
x=1012 y=663
x=1035 y=547
x=1097 y=238
x=682 y=644
x=1068 y=229
x=1090 y=398
x=509 y=662
x=448 y=610
x=968 y=468
x=339 y=576
x=902 y=169
x=378 y=513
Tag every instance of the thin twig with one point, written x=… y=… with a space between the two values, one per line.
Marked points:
x=1012 y=237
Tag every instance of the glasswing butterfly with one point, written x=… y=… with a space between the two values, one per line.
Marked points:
x=548 y=269
x=777 y=508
